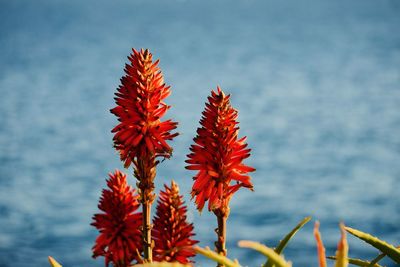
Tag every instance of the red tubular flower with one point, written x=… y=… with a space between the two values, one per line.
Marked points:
x=120 y=236
x=172 y=233
x=139 y=109
x=217 y=155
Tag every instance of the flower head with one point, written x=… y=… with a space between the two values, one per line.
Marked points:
x=172 y=233
x=119 y=224
x=218 y=155
x=139 y=110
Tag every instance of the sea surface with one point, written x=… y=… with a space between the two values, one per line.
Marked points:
x=316 y=83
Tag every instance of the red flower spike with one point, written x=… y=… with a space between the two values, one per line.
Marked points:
x=172 y=233
x=139 y=109
x=120 y=239
x=218 y=155
x=320 y=246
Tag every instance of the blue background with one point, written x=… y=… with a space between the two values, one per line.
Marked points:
x=316 y=83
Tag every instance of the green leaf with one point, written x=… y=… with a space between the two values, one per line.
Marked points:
x=276 y=259
x=357 y=262
x=281 y=246
x=383 y=246
x=53 y=262
x=376 y=260
x=161 y=264
x=216 y=257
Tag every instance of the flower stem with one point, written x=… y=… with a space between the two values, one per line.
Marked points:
x=148 y=255
x=220 y=244
x=145 y=172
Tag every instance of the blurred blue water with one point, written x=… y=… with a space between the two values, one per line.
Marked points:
x=317 y=84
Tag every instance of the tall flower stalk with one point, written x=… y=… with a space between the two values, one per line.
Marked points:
x=120 y=238
x=173 y=235
x=217 y=155
x=141 y=136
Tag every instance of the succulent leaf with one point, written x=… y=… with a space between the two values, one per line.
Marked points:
x=276 y=259
x=376 y=260
x=357 y=262
x=342 y=249
x=391 y=251
x=207 y=252
x=53 y=262
x=281 y=246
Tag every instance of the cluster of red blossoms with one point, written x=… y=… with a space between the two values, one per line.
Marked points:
x=140 y=106
x=170 y=224
x=140 y=137
x=120 y=237
x=218 y=155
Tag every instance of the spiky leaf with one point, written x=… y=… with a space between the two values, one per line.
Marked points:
x=383 y=246
x=276 y=259
x=53 y=262
x=377 y=259
x=357 y=262
x=342 y=249
x=281 y=246
x=216 y=257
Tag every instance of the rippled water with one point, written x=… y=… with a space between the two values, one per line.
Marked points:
x=317 y=85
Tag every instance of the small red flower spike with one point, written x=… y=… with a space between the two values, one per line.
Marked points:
x=218 y=155
x=320 y=246
x=172 y=233
x=140 y=106
x=120 y=239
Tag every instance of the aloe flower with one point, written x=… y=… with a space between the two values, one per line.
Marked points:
x=140 y=107
x=172 y=233
x=217 y=156
x=119 y=224
x=141 y=136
